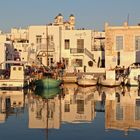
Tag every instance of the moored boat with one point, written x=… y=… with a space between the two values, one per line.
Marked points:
x=110 y=82
x=87 y=80
x=110 y=79
x=133 y=77
x=48 y=83
x=16 y=78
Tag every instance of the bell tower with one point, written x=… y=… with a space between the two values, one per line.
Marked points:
x=72 y=21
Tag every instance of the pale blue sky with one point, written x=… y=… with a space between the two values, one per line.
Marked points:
x=90 y=14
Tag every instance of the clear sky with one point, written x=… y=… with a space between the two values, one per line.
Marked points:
x=90 y=14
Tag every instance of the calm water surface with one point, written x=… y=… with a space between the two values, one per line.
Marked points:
x=75 y=113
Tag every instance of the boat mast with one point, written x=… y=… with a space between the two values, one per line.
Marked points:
x=47 y=45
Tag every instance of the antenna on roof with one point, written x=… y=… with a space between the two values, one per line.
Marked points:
x=128 y=19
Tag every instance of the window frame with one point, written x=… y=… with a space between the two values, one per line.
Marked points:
x=117 y=45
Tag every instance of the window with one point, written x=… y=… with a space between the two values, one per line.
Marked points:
x=80 y=43
x=50 y=38
x=119 y=43
x=80 y=106
x=137 y=110
x=77 y=62
x=66 y=61
x=67 y=43
x=137 y=42
x=67 y=107
x=51 y=60
x=119 y=112
x=20 y=68
x=38 y=39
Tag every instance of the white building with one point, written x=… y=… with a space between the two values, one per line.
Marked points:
x=60 y=42
x=45 y=42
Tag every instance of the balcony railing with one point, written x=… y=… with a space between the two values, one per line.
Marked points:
x=43 y=47
x=75 y=50
x=98 y=48
x=89 y=54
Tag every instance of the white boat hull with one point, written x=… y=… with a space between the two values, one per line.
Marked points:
x=11 y=83
x=132 y=82
x=87 y=82
x=110 y=82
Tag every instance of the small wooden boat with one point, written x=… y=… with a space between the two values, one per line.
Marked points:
x=110 y=79
x=110 y=82
x=48 y=93
x=87 y=80
x=48 y=83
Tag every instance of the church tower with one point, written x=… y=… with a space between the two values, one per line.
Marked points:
x=72 y=21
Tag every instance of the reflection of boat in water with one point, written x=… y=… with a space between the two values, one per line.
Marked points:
x=48 y=93
x=44 y=109
x=110 y=90
x=48 y=83
x=110 y=93
x=86 y=89
x=69 y=88
x=70 y=85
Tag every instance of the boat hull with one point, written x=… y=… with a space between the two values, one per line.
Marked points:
x=48 y=83
x=12 y=84
x=87 y=82
x=110 y=82
x=132 y=82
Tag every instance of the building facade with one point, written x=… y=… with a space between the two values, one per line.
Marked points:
x=122 y=45
x=59 y=42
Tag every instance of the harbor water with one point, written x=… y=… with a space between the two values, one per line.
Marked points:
x=71 y=113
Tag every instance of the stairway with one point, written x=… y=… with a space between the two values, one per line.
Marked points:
x=89 y=54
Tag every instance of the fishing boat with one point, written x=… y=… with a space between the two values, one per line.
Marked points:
x=87 y=80
x=110 y=79
x=16 y=79
x=133 y=77
x=48 y=93
x=48 y=83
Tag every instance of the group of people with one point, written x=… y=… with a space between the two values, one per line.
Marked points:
x=54 y=70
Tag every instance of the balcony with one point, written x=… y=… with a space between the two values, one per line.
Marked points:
x=43 y=47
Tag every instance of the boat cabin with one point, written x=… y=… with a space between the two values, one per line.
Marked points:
x=110 y=74
x=17 y=72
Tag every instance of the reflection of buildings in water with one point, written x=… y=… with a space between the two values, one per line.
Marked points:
x=109 y=92
x=105 y=93
x=78 y=106
x=123 y=114
x=11 y=102
x=44 y=113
